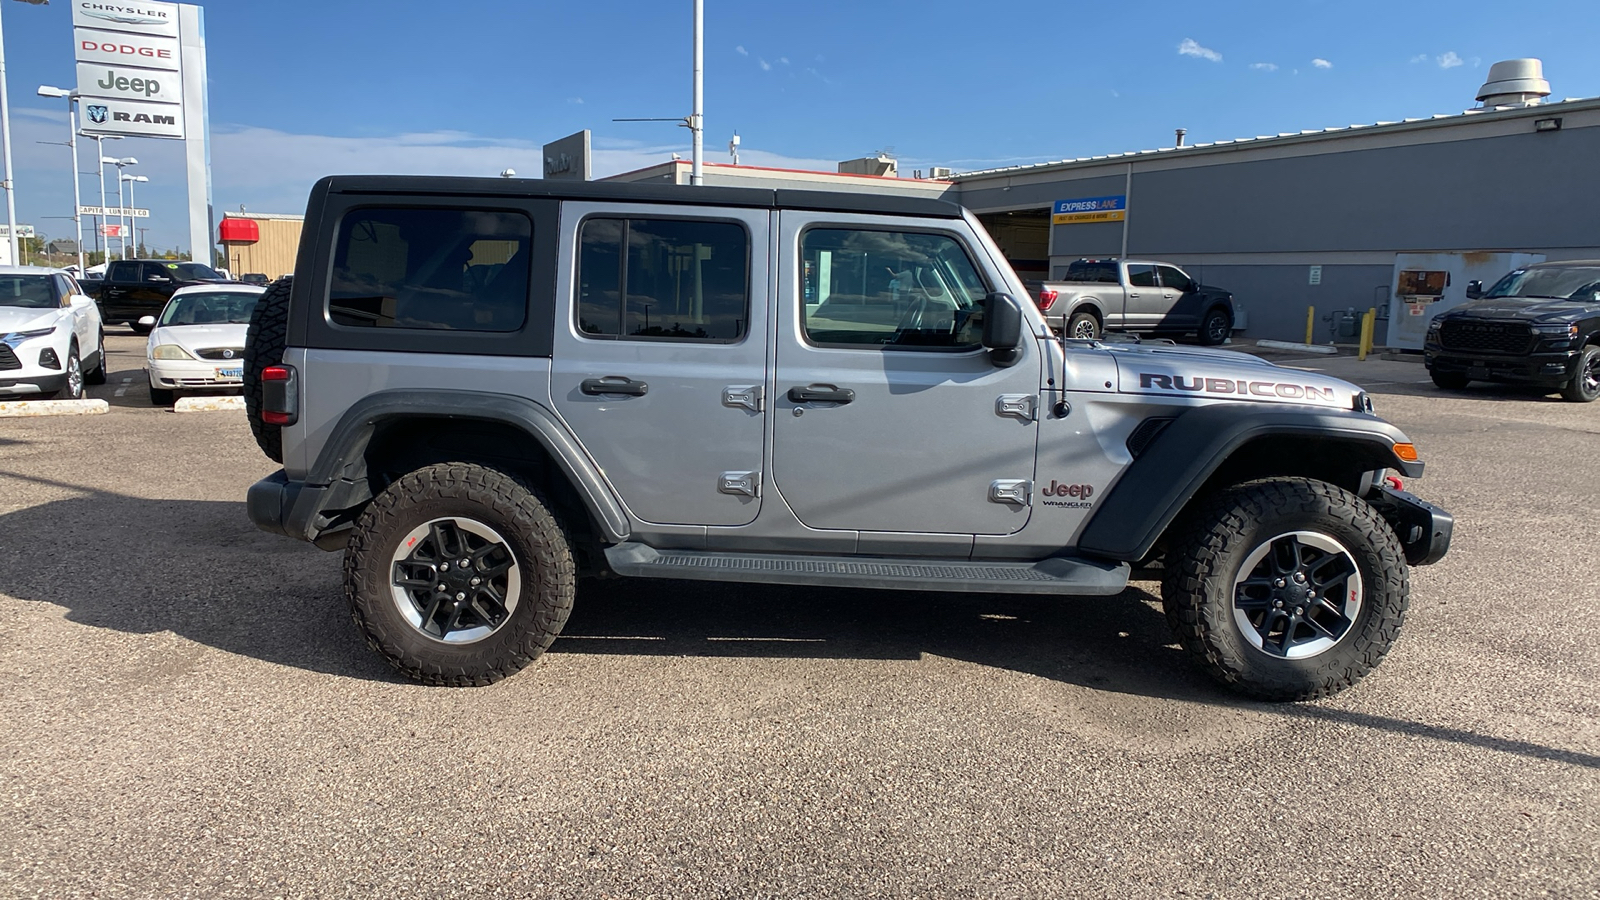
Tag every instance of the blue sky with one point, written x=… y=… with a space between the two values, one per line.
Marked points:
x=303 y=88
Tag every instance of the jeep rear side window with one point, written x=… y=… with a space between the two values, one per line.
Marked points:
x=889 y=289
x=681 y=280
x=440 y=269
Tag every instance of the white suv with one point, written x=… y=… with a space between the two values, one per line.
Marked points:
x=52 y=341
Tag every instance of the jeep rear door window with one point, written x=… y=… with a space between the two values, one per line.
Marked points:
x=439 y=269
x=680 y=280
x=889 y=289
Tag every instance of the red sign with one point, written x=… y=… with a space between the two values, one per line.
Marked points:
x=111 y=231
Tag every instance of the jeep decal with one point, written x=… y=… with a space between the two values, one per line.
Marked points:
x=1151 y=381
x=1079 y=494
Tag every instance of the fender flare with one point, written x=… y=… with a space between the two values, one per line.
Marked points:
x=1176 y=465
x=341 y=465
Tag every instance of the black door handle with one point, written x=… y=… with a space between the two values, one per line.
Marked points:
x=614 y=384
x=821 y=394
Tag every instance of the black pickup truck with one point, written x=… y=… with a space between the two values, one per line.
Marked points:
x=135 y=288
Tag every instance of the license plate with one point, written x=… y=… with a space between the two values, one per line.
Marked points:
x=231 y=373
x=1479 y=369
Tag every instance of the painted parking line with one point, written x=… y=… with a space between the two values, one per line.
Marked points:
x=124 y=388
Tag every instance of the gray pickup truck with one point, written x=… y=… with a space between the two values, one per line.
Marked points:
x=1135 y=295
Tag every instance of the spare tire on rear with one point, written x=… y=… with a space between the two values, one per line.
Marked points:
x=263 y=346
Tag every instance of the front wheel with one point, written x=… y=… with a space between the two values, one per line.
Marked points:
x=1450 y=381
x=72 y=387
x=1286 y=589
x=1585 y=384
x=459 y=575
x=1216 y=327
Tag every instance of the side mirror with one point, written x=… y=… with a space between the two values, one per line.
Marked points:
x=1474 y=290
x=1002 y=329
x=147 y=321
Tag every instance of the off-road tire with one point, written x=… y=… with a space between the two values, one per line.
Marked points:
x=1198 y=589
x=1450 y=381
x=1585 y=384
x=263 y=346
x=535 y=538
x=1216 y=326
x=98 y=376
x=1083 y=326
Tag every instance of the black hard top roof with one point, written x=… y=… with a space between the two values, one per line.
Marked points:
x=758 y=198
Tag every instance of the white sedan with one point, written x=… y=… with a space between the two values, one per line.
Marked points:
x=51 y=339
x=197 y=343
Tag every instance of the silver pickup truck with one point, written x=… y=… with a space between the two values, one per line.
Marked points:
x=1135 y=295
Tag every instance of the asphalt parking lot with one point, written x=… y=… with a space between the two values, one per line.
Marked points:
x=192 y=713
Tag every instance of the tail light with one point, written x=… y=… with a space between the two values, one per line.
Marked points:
x=280 y=395
x=1047 y=298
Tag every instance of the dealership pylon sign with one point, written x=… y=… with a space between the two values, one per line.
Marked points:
x=142 y=73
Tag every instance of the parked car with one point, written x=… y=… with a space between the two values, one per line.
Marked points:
x=1539 y=325
x=135 y=288
x=786 y=387
x=255 y=278
x=51 y=339
x=197 y=343
x=1142 y=296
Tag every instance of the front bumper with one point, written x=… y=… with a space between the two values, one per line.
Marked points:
x=23 y=385
x=1552 y=369
x=1424 y=529
x=190 y=374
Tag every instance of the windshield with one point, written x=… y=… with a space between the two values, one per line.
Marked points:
x=210 y=308
x=196 y=272
x=1576 y=283
x=28 y=292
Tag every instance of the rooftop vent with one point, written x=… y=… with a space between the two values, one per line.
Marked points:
x=1515 y=82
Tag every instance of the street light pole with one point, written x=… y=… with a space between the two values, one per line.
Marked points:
x=100 y=150
x=122 y=237
x=127 y=213
x=696 y=116
x=5 y=122
x=72 y=144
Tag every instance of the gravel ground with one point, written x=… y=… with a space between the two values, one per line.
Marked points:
x=192 y=714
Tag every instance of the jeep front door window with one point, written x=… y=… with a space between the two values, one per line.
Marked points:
x=895 y=290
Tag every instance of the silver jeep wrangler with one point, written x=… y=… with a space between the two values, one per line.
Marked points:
x=480 y=389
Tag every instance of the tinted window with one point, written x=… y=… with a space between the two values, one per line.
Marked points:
x=210 y=308
x=1141 y=276
x=449 y=269
x=1172 y=278
x=679 y=280
x=889 y=289
x=1095 y=272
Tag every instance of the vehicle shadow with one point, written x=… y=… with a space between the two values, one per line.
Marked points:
x=207 y=575
x=198 y=569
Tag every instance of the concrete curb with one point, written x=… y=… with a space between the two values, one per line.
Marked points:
x=1303 y=348
x=207 y=404
x=17 y=409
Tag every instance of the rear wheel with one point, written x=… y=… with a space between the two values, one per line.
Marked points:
x=1450 y=381
x=1216 y=327
x=1286 y=589
x=1585 y=384
x=1083 y=326
x=98 y=375
x=459 y=575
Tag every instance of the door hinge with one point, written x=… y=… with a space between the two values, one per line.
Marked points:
x=742 y=396
x=1017 y=406
x=1011 y=490
x=745 y=483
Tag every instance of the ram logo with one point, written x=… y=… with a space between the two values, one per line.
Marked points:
x=97 y=114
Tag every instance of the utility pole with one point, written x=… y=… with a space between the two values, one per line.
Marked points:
x=697 y=115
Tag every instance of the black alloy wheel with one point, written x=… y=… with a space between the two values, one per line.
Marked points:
x=455 y=580
x=1585 y=384
x=1216 y=327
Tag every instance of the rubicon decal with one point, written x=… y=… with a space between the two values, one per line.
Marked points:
x=1070 y=496
x=1236 y=387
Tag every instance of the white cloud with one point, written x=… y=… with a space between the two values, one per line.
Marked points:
x=1421 y=58
x=784 y=60
x=1264 y=67
x=1450 y=60
x=577 y=100
x=741 y=50
x=1190 y=47
x=765 y=66
x=1322 y=63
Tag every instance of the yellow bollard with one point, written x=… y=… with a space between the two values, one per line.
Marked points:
x=1368 y=323
x=1311 y=317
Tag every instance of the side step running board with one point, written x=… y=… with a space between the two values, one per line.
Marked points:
x=1058 y=575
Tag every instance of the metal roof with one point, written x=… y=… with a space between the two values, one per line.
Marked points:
x=1571 y=104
